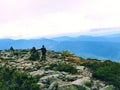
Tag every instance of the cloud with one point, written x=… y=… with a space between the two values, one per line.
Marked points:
x=50 y=24
x=38 y=18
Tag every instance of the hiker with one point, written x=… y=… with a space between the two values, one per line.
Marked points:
x=43 y=50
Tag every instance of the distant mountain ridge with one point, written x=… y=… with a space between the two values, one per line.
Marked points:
x=107 y=38
x=100 y=47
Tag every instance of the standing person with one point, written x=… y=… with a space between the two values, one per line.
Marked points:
x=43 y=50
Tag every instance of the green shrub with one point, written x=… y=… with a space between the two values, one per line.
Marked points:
x=11 y=48
x=107 y=71
x=76 y=87
x=89 y=84
x=11 y=79
x=34 y=55
x=64 y=67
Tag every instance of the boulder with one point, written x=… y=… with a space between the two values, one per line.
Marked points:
x=82 y=81
x=38 y=72
x=49 y=79
x=98 y=84
x=80 y=68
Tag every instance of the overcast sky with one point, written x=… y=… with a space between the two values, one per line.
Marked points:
x=41 y=18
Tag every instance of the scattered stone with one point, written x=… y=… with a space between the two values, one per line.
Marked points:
x=50 y=79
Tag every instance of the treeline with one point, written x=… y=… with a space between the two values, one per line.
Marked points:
x=106 y=71
x=11 y=79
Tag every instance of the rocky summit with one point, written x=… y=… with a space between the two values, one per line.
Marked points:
x=60 y=71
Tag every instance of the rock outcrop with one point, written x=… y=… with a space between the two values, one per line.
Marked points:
x=50 y=76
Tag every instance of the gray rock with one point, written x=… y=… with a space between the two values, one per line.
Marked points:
x=53 y=86
x=71 y=77
x=80 y=68
x=38 y=72
x=98 y=84
x=82 y=81
x=41 y=85
x=49 y=79
x=72 y=87
x=49 y=72
x=108 y=87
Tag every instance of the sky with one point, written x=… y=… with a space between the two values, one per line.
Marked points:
x=25 y=19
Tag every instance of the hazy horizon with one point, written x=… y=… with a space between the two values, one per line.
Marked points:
x=26 y=19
